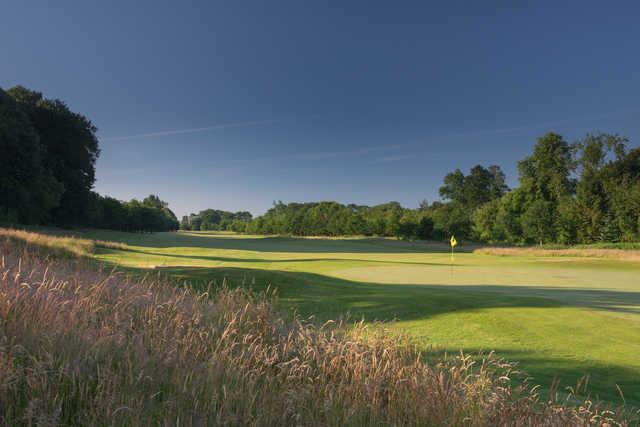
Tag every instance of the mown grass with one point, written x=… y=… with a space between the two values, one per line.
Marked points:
x=561 y=317
x=84 y=346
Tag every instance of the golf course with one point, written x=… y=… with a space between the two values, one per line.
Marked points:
x=562 y=317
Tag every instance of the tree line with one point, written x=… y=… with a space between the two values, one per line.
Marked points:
x=213 y=219
x=330 y=218
x=568 y=193
x=582 y=192
x=47 y=170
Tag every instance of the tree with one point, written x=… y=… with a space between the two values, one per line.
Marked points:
x=71 y=148
x=545 y=180
x=164 y=218
x=484 y=222
x=28 y=189
x=454 y=187
x=479 y=187
x=465 y=194
x=184 y=223
x=538 y=222
x=424 y=229
x=546 y=174
x=597 y=153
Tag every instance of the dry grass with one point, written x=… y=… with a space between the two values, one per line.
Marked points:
x=618 y=254
x=60 y=246
x=80 y=346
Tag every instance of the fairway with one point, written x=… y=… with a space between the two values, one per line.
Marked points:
x=562 y=317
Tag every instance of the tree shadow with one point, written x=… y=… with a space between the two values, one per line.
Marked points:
x=325 y=298
x=604 y=382
x=264 y=260
x=329 y=297
x=279 y=243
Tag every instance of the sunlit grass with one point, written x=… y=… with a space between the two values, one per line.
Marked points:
x=58 y=245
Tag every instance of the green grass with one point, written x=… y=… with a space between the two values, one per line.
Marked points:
x=562 y=317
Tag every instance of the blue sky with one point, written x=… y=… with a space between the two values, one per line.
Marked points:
x=234 y=105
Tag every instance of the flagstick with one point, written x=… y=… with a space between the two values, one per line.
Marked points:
x=452 y=242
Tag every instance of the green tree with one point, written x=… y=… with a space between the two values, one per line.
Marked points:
x=479 y=187
x=538 y=222
x=545 y=180
x=71 y=148
x=484 y=222
x=28 y=189
x=597 y=154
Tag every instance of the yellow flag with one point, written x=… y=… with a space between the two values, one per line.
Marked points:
x=453 y=241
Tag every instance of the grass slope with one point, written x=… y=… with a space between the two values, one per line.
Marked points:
x=561 y=317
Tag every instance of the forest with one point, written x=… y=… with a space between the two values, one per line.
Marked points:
x=586 y=191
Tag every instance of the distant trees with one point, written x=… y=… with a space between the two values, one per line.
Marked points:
x=335 y=219
x=463 y=194
x=47 y=170
x=149 y=215
x=213 y=219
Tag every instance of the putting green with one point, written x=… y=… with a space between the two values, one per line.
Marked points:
x=562 y=317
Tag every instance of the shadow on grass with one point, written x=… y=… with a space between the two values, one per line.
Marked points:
x=327 y=297
x=275 y=243
x=332 y=298
x=605 y=382
x=266 y=261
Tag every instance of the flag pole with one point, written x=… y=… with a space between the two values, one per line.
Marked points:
x=453 y=243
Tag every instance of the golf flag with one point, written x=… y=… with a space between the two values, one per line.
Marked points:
x=453 y=242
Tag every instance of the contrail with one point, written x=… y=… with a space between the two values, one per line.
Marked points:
x=195 y=130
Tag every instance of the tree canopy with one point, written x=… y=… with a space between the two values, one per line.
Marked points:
x=584 y=192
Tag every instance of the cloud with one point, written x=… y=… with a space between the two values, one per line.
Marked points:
x=205 y=128
x=396 y=158
x=392 y=149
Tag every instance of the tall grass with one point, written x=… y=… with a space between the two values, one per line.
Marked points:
x=83 y=346
x=59 y=246
x=630 y=254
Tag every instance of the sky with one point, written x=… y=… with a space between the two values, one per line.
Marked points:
x=234 y=105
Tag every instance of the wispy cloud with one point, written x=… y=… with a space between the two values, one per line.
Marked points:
x=314 y=156
x=395 y=148
x=387 y=152
x=204 y=128
x=396 y=158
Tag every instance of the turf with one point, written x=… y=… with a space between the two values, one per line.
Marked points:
x=560 y=317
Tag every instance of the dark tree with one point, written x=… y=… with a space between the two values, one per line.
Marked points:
x=28 y=189
x=71 y=150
